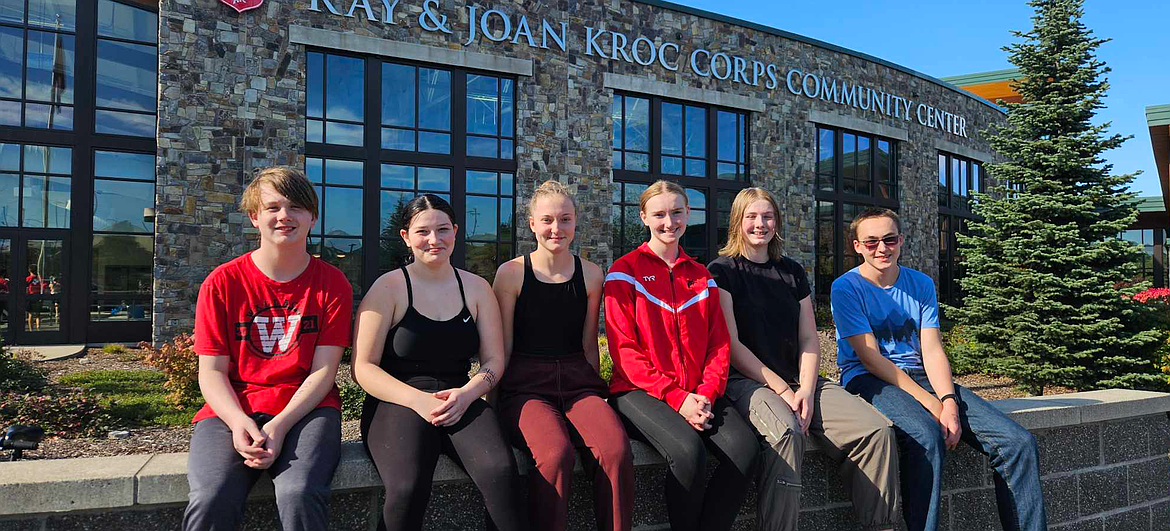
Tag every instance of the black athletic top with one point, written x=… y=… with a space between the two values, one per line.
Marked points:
x=419 y=346
x=550 y=318
x=766 y=298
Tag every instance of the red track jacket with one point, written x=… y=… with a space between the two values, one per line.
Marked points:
x=665 y=328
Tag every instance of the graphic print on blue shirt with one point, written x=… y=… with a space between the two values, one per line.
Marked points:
x=894 y=316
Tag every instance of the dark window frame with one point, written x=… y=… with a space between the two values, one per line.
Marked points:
x=838 y=198
x=373 y=155
x=710 y=184
x=953 y=219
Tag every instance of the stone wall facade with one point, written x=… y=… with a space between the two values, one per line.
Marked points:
x=233 y=92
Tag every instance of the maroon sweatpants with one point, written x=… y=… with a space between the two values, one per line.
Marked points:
x=538 y=395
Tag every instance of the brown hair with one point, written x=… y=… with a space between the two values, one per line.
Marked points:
x=288 y=182
x=550 y=188
x=661 y=187
x=874 y=212
x=736 y=243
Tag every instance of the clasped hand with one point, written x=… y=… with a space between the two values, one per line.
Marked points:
x=259 y=446
x=696 y=409
x=446 y=407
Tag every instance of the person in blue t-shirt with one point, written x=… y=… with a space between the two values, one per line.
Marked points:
x=890 y=353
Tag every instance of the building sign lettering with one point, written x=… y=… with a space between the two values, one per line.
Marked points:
x=497 y=26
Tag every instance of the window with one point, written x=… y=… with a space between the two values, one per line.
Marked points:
x=37 y=62
x=1144 y=239
x=958 y=179
x=854 y=171
x=123 y=239
x=337 y=235
x=39 y=178
x=430 y=129
x=335 y=99
x=655 y=138
x=127 y=70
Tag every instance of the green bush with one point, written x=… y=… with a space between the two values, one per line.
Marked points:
x=823 y=313
x=352 y=397
x=68 y=413
x=18 y=373
x=179 y=362
x=114 y=348
x=605 y=361
x=132 y=397
x=963 y=352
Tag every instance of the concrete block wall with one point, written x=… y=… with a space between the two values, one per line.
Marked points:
x=1104 y=466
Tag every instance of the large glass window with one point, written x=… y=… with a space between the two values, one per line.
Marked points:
x=335 y=99
x=958 y=179
x=38 y=41
x=655 y=138
x=123 y=242
x=127 y=70
x=1144 y=239
x=443 y=131
x=37 y=185
x=854 y=171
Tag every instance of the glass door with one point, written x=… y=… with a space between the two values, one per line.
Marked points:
x=38 y=303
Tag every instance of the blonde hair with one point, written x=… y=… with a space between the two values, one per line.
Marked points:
x=288 y=182
x=550 y=188
x=661 y=187
x=736 y=242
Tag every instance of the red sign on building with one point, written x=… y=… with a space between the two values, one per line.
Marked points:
x=242 y=5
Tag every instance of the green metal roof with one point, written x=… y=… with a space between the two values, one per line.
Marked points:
x=979 y=78
x=1158 y=115
x=1152 y=203
x=818 y=43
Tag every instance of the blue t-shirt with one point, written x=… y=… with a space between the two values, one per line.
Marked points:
x=894 y=315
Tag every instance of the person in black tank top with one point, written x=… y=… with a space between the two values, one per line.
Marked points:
x=549 y=304
x=412 y=355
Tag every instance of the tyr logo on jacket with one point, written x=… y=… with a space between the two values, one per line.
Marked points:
x=665 y=327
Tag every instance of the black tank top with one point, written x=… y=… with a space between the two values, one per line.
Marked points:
x=550 y=318
x=420 y=346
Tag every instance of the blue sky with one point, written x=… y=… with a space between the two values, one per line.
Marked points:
x=951 y=38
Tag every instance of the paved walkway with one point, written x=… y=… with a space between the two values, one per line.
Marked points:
x=51 y=352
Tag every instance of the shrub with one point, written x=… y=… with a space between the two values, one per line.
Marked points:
x=823 y=313
x=605 y=361
x=68 y=413
x=963 y=351
x=18 y=374
x=113 y=348
x=179 y=362
x=352 y=397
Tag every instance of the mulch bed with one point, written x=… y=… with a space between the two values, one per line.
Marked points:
x=177 y=439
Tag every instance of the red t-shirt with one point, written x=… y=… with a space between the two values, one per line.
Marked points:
x=34 y=284
x=271 y=329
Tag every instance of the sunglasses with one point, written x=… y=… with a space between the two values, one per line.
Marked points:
x=890 y=241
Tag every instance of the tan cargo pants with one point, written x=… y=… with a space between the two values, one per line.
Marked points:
x=846 y=428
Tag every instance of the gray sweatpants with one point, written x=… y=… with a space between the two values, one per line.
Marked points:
x=847 y=429
x=220 y=481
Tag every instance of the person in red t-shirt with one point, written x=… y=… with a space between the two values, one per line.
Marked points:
x=270 y=327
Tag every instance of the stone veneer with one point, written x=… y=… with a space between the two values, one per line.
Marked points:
x=233 y=100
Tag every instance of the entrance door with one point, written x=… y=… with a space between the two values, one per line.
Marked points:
x=34 y=288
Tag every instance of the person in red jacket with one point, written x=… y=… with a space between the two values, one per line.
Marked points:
x=671 y=354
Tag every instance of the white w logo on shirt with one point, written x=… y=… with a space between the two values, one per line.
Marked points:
x=278 y=334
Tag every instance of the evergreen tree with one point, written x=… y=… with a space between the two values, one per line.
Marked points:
x=1047 y=295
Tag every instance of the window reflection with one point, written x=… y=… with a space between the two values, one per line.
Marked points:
x=335 y=99
x=121 y=286
x=127 y=72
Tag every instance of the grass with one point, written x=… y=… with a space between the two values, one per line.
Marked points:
x=135 y=398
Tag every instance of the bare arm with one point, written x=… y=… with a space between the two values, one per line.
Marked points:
x=810 y=346
x=938 y=371
x=594 y=282
x=509 y=281
x=374 y=318
x=743 y=359
x=866 y=347
x=218 y=392
x=322 y=375
x=491 y=342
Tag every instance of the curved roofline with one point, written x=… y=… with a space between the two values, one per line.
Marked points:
x=818 y=43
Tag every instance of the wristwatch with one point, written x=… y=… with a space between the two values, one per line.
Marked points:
x=951 y=396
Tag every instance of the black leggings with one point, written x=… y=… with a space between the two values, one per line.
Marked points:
x=731 y=440
x=405 y=449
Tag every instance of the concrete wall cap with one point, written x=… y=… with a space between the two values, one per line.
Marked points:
x=28 y=487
